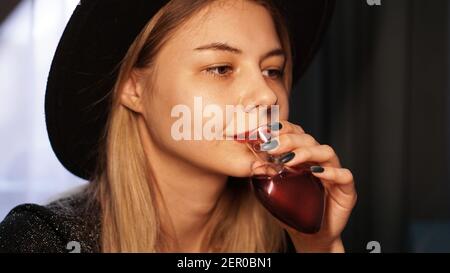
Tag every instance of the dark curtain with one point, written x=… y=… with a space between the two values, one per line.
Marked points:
x=377 y=93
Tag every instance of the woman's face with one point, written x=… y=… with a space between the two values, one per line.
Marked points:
x=218 y=58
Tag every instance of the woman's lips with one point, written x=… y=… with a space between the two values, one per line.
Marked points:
x=262 y=133
x=245 y=136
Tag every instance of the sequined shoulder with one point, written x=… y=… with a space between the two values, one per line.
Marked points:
x=62 y=226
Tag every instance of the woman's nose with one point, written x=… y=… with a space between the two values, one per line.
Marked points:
x=256 y=91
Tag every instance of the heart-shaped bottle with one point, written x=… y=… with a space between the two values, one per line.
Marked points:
x=292 y=194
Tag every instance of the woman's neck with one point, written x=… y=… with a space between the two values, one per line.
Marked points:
x=189 y=195
x=190 y=201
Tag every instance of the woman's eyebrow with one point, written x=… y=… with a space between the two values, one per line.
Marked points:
x=219 y=46
x=228 y=48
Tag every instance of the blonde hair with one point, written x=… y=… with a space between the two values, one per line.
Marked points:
x=124 y=186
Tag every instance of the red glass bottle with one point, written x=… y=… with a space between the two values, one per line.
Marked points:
x=292 y=194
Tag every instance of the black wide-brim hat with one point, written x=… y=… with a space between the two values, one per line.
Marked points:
x=95 y=41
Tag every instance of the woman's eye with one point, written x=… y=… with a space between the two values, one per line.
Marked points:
x=224 y=71
x=219 y=71
x=273 y=73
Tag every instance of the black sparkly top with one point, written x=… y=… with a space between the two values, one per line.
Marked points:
x=66 y=225
x=52 y=228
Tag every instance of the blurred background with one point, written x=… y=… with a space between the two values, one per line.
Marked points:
x=29 y=33
x=378 y=92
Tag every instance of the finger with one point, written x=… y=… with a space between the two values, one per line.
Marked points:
x=340 y=176
x=323 y=155
x=262 y=168
x=335 y=176
x=288 y=142
x=285 y=127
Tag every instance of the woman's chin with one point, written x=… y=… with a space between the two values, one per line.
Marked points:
x=241 y=162
x=233 y=159
x=239 y=168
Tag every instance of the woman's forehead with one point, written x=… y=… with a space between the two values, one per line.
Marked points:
x=244 y=24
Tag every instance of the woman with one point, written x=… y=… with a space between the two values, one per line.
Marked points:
x=109 y=111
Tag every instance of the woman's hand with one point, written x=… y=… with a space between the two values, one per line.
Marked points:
x=338 y=182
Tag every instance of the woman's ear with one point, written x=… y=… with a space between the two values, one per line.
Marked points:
x=132 y=93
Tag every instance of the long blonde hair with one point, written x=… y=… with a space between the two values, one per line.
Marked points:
x=124 y=186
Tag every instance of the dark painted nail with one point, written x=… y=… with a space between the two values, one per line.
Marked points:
x=287 y=157
x=271 y=145
x=317 y=169
x=276 y=126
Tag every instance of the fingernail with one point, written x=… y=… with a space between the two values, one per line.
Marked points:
x=271 y=145
x=276 y=126
x=287 y=157
x=317 y=169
